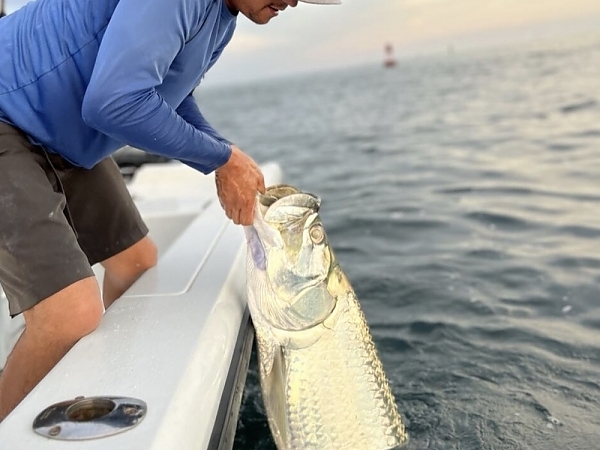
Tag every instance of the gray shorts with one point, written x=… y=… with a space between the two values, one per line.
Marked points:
x=57 y=219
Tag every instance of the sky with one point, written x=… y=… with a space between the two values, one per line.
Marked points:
x=321 y=37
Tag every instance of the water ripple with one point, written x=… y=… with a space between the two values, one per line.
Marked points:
x=575 y=107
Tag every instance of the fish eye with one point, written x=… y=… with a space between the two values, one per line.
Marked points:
x=316 y=233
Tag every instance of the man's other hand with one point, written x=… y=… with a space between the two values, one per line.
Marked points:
x=238 y=182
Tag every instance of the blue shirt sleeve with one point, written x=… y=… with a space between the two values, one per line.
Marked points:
x=191 y=114
x=141 y=41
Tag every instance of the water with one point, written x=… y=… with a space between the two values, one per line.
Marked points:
x=461 y=194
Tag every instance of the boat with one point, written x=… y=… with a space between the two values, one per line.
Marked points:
x=167 y=366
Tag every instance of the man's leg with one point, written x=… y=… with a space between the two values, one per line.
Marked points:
x=52 y=327
x=123 y=269
x=109 y=227
x=44 y=272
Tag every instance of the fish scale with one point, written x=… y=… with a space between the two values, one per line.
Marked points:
x=339 y=396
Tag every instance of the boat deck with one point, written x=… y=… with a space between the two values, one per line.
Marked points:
x=179 y=339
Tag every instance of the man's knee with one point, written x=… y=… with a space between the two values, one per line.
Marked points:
x=148 y=255
x=134 y=261
x=123 y=269
x=69 y=314
x=84 y=319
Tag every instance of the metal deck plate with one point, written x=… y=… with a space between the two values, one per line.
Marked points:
x=89 y=418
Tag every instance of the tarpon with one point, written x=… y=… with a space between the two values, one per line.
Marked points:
x=323 y=385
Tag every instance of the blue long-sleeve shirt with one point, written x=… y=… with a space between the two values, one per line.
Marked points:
x=85 y=77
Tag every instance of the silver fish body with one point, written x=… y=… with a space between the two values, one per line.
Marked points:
x=323 y=385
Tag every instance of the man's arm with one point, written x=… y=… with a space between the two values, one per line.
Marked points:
x=138 y=47
x=232 y=178
x=191 y=114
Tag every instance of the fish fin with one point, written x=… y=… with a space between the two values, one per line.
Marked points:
x=267 y=347
x=274 y=390
x=273 y=379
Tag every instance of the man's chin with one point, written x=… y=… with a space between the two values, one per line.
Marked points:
x=260 y=19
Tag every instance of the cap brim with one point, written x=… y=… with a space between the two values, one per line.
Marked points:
x=323 y=2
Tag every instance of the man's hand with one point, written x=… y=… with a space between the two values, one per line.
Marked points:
x=238 y=182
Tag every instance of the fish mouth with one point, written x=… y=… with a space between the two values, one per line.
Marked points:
x=276 y=192
x=286 y=195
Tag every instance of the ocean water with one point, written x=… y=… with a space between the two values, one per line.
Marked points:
x=461 y=194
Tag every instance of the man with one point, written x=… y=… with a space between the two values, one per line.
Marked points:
x=78 y=80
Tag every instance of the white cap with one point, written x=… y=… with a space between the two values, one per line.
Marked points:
x=323 y=2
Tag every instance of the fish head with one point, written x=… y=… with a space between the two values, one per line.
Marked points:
x=292 y=256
